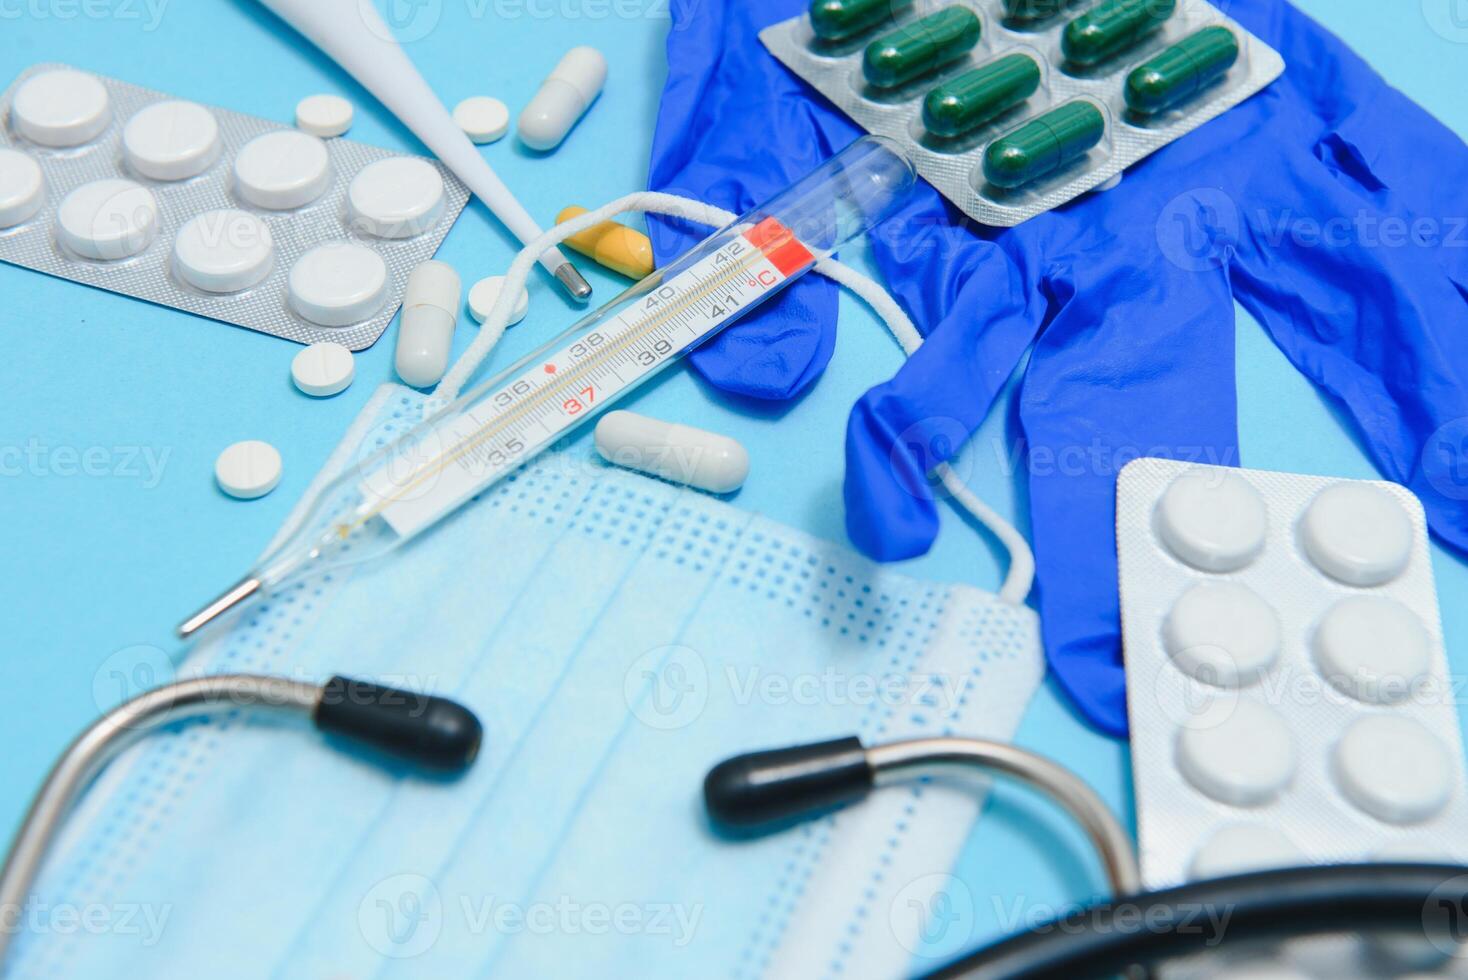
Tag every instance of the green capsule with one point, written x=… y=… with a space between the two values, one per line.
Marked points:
x=917 y=49
x=1182 y=71
x=1044 y=145
x=836 y=20
x=1028 y=10
x=1111 y=28
x=977 y=96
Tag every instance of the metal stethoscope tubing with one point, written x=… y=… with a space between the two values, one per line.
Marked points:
x=430 y=732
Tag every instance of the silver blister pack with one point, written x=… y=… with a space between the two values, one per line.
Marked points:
x=955 y=166
x=151 y=275
x=1374 y=768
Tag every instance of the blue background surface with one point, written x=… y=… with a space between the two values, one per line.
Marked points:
x=96 y=570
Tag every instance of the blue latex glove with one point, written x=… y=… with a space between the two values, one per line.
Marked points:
x=1127 y=300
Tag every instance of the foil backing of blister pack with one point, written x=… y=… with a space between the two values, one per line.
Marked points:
x=954 y=166
x=149 y=275
x=1173 y=818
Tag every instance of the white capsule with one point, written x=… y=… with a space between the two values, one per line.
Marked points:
x=563 y=98
x=426 y=335
x=680 y=453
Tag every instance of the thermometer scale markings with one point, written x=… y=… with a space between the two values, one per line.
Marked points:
x=575 y=381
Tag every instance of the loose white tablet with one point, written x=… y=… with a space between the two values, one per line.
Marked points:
x=108 y=219
x=1357 y=534
x=223 y=251
x=1393 y=768
x=483 y=119
x=396 y=198
x=248 y=469
x=22 y=188
x=1222 y=633
x=1372 y=648
x=282 y=170
x=323 y=369
x=1212 y=520
x=325 y=116
x=61 y=108
x=171 y=140
x=1242 y=847
x=1245 y=759
x=338 y=283
x=482 y=296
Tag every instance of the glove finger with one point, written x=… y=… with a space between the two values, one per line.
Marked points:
x=734 y=128
x=901 y=429
x=1138 y=362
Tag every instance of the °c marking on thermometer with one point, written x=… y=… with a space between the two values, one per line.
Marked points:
x=508 y=426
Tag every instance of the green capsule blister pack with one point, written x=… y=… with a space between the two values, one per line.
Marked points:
x=1011 y=108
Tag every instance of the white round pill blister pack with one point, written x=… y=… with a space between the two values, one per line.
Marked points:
x=212 y=211
x=1287 y=687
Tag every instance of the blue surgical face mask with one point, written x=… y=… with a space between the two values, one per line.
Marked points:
x=617 y=636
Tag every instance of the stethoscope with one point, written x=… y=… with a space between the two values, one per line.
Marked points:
x=767 y=791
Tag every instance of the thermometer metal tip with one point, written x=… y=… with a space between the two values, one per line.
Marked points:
x=573 y=282
x=236 y=595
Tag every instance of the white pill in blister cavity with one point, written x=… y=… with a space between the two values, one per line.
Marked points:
x=1212 y=520
x=1242 y=756
x=1357 y=534
x=338 y=283
x=426 y=333
x=1393 y=768
x=61 y=108
x=563 y=98
x=22 y=188
x=248 y=469
x=483 y=119
x=1242 y=847
x=108 y=219
x=323 y=369
x=1372 y=648
x=1222 y=633
x=396 y=198
x=223 y=251
x=326 y=116
x=482 y=296
x=282 y=170
x=171 y=140
x=680 y=453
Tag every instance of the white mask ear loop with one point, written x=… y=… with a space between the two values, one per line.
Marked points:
x=1021 y=574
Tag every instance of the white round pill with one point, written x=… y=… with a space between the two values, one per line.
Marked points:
x=1372 y=648
x=22 y=188
x=1393 y=768
x=482 y=296
x=325 y=116
x=108 y=219
x=396 y=198
x=171 y=140
x=482 y=118
x=61 y=108
x=282 y=170
x=223 y=251
x=323 y=369
x=248 y=469
x=1212 y=519
x=1357 y=534
x=338 y=283
x=1245 y=759
x=1222 y=633
x=1243 y=847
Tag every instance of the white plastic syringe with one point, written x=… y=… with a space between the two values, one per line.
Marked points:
x=487 y=433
